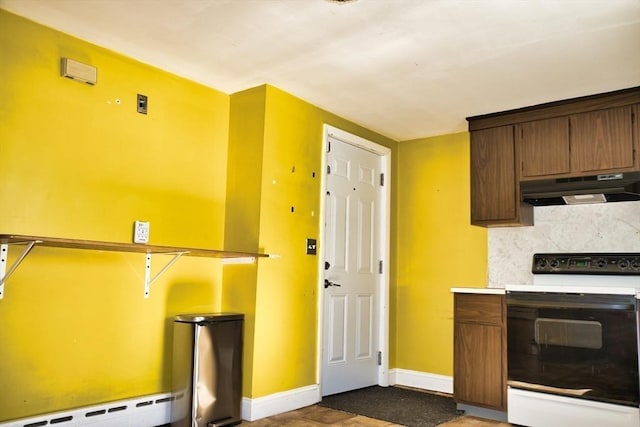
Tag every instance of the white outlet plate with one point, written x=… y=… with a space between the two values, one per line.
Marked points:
x=141 y=232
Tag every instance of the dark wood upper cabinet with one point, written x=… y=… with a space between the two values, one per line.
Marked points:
x=579 y=144
x=569 y=138
x=545 y=147
x=495 y=193
x=603 y=140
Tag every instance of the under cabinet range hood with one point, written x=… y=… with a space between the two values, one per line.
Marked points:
x=612 y=187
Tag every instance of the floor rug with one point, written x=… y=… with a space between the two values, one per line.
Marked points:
x=395 y=404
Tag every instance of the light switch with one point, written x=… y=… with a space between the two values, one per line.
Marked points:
x=311 y=246
x=142 y=104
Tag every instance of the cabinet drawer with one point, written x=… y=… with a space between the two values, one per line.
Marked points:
x=479 y=308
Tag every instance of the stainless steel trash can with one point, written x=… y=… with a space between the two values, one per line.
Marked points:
x=207 y=370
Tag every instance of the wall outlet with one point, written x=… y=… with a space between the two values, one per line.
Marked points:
x=141 y=232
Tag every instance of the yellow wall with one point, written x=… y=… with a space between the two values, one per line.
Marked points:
x=207 y=170
x=246 y=140
x=437 y=249
x=289 y=156
x=74 y=326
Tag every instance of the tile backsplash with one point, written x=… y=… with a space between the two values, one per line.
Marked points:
x=605 y=227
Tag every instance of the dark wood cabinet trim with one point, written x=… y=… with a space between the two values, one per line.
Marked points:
x=548 y=110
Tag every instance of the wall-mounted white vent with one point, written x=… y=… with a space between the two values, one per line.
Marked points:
x=145 y=411
x=78 y=71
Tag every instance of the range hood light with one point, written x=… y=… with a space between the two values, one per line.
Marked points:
x=583 y=199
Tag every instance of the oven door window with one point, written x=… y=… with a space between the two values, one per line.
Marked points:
x=568 y=333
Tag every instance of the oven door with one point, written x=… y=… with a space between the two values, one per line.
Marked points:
x=584 y=346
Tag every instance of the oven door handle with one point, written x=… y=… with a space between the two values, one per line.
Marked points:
x=513 y=302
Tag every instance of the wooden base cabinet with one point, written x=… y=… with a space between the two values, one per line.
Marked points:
x=480 y=358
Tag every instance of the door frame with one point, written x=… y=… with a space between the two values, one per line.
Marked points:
x=384 y=231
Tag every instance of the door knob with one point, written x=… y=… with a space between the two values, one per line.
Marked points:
x=328 y=283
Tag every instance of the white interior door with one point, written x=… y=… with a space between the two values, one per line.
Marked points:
x=351 y=316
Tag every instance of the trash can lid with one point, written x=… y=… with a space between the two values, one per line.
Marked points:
x=208 y=317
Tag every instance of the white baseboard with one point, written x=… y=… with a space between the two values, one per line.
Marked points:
x=154 y=410
x=143 y=411
x=273 y=404
x=278 y=403
x=417 y=379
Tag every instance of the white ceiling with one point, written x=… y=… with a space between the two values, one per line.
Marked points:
x=404 y=68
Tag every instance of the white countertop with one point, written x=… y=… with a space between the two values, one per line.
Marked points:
x=551 y=288
x=611 y=290
x=494 y=291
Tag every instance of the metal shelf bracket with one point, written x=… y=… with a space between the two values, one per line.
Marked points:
x=4 y=255
x=228 y=257
x=148 y=279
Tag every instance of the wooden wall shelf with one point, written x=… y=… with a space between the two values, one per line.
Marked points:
x=30 y=241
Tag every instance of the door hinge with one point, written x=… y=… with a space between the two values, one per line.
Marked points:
x=329 y=146
x=328 y=170
x=380 y=267
x=381 y=180
x=379 y=358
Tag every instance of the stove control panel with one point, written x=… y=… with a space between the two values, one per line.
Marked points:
x=587 y=263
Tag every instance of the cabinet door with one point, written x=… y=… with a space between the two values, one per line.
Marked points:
x=494 y=190
x=544 y=147
x=478 y=365
x=603 y=140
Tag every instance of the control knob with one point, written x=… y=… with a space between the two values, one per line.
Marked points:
x=623 y=264
x=600 y=263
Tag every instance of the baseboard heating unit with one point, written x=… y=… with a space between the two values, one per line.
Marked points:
x=144 y=411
